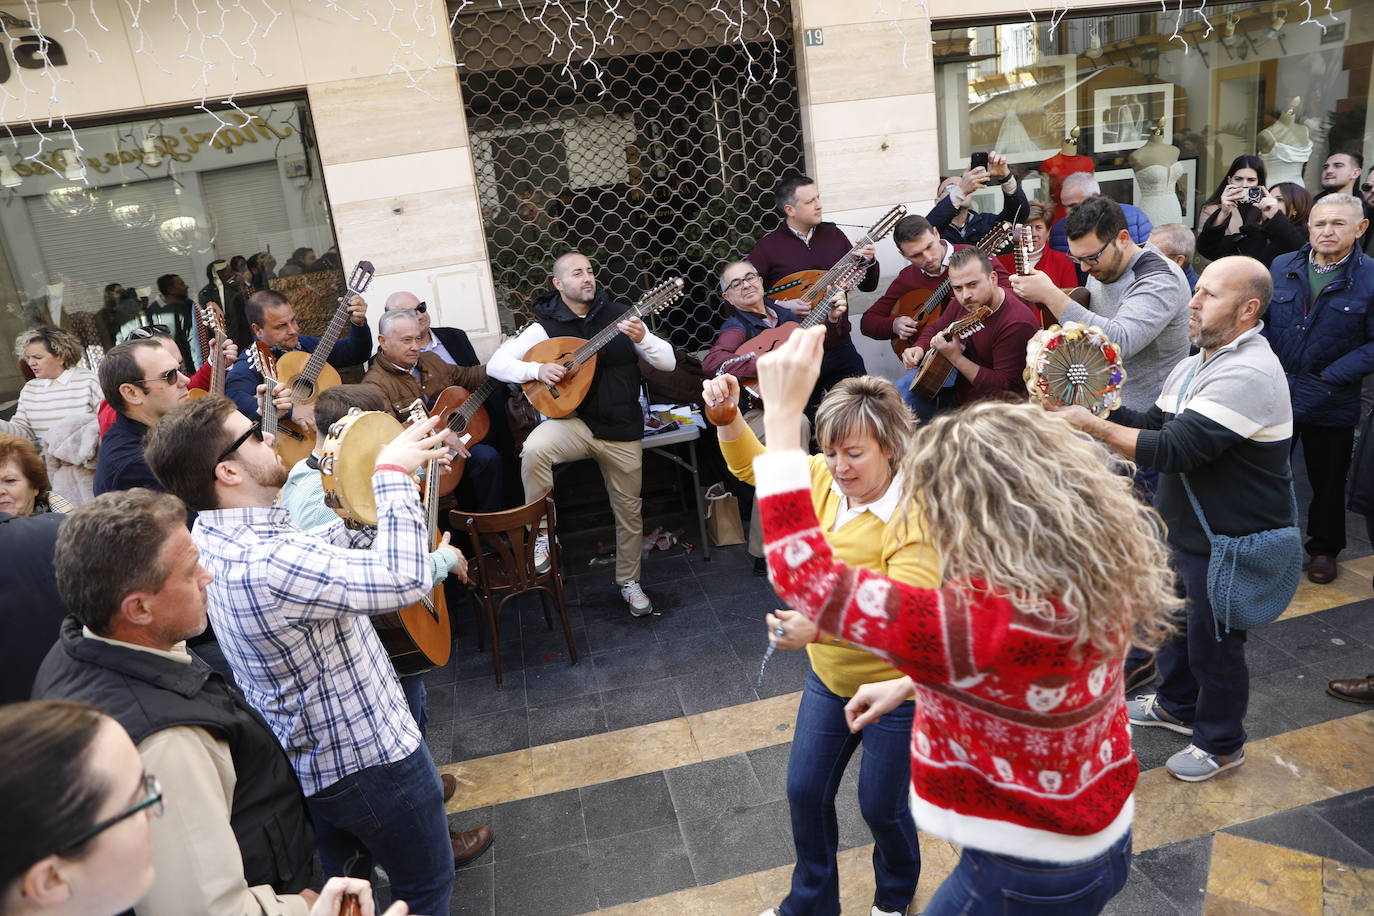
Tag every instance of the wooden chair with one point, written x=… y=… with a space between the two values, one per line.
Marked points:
x=501 y=567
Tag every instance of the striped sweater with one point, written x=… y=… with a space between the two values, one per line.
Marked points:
x=46 y=402
x=1018 y=747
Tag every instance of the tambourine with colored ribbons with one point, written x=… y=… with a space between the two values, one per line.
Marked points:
x=1075 y=363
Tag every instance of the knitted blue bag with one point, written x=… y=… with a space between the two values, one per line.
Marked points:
x=1251 y=578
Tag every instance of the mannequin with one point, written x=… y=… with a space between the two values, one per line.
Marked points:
x=1061 y=165
x=1157 y=171
x=1285 y=146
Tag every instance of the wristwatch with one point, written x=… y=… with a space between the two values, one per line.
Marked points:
x=1004 y=179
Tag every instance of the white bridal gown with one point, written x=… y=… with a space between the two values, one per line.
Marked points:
x=1157 y=193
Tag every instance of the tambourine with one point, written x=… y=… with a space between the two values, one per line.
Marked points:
x=347 y=459
x=1074 y=363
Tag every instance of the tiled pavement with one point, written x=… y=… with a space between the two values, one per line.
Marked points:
x=653 y=770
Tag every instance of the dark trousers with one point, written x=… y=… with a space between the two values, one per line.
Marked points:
x=1203 y=680
x=481 y=488
x=839 y=364
x=392 y=815
x=821 y=748
x=417 y=698
x=1326 y=451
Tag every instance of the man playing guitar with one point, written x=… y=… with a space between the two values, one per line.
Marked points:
x=609 y=423
x=990 y=361
x=929 y=256
x=273 y=321
x=804 y=242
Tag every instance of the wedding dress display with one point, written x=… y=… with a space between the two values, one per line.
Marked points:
x=1285 y=162
x=1158 y=196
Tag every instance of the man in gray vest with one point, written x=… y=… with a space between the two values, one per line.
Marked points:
x=236 y=837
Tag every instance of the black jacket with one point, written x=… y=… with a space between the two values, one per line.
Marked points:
x=611 y=408
x=1262 y=240
x=31 y=610
x=146 y=694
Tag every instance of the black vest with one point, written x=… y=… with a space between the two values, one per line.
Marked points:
x=146 y=694
x=611 y=408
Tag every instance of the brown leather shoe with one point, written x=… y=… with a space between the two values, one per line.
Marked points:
x=1353 y=689
x=1322 y=569
x=469 y=844
x=450 y=785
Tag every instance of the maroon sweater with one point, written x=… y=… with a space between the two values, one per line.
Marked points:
x=877 y=320
x=780 y=253
x=999 y=348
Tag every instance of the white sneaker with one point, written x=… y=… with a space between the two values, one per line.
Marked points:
x=640 y=605
x=877 y=912
x=771 y=911
x=541 y=554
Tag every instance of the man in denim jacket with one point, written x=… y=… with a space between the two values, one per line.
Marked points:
x=1321 y=326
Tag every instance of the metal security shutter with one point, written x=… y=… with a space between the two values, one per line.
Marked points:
x=248 y=210
x=90 y=251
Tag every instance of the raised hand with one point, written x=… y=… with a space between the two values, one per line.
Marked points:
x=417 y=444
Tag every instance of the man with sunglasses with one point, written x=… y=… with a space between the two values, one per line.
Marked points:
x=1137 y=296
x=236 y=837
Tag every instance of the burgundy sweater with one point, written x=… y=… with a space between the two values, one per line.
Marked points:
x=999 y=348
x=1019 y=745
x=877 y=320
x=780 y=253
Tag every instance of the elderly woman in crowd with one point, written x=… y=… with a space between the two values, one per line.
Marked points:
x=863 y=427
x=1020 y=748
x=57 y=410
x=77 y=802
x=24 y=486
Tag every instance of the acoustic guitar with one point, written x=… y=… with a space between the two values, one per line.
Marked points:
x=461 y=411
x=935 y=369
x=291 y=442
x=578 y=356
x=307 y=374
x=213 y=317
x=417 y=637
x=812 y=284
x=766 y=341
x=925 y=305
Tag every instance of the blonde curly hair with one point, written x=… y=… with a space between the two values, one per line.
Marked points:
x=1015 y=498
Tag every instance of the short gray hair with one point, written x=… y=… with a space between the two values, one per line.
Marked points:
x=1349 y=201
x=734 y=264
x=1084 y=181
x=389 y=319
x=1175 y=240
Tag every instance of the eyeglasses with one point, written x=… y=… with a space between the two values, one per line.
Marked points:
x=152 y=798
x=254 y=430
x=147 y=332
x=422 y=308
x=741 y=281
x=1091 y=259
x=170 y=377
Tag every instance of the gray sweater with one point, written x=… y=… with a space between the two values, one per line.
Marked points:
x=1145 y=313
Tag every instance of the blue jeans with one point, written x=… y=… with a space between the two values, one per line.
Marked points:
x=984 y=884
x=1204 y=681
x=417 y=698
x=923 y=407
x=393 y=814
x=821 y=749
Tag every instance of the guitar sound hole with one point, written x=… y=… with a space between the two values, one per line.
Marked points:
x=458 y=424
x=302 y=389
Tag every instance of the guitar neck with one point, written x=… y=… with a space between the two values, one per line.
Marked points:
x=463 y=414
x=603 y=337
x=267 y=410
x=432 y=476
x=315 y=364
x=217 y=372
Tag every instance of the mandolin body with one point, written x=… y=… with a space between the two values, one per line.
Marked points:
x=561 y=399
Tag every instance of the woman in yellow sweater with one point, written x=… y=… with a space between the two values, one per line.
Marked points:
x=862 y=427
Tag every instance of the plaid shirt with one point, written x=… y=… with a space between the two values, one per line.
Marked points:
x=289 y=608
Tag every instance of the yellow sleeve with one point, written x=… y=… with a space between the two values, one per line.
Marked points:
x=740 y=454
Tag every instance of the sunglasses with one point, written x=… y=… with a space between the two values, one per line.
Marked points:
x=255 y=430
x=1090 y=260
x=148 y=332
x=152 y=798
x=170 y=377
x=422 y=308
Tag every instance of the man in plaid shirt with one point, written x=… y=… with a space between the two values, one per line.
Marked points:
x=291 y=609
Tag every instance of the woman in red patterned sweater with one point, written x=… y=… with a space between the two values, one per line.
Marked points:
x=1020 y=747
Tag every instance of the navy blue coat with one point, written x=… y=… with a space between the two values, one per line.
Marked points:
x=1327 y=349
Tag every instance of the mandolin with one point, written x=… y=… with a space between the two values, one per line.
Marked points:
x=925 y=304
x=417 y=637
x=578 y=356
x=462 y=411
x=1025 y=244
x=810 y=285
x=307 y=374
x=213 y=318
x=935 y=369
x=291 y=443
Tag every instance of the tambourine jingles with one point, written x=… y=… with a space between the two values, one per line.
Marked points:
x=1075 y=364
x=347 y=459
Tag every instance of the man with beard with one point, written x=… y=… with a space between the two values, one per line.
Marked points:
x=1223 y=419
x=291 y=611
x=1322 y=328
x=609 y=424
